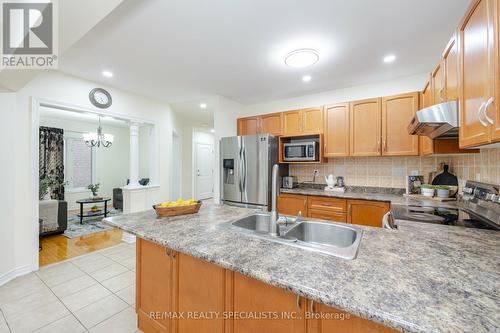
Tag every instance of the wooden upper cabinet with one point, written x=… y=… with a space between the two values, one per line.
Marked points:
x=397 y=113
x=438 y=84
x=364 y=212
x=312 y=121
x=365 y=127
x=494 y=109
x=426 y=143
x=271 y=123
x=336 y=127
x=476 y=73
x=252 y=296
x=450 y=68
x=292 y=123
x=248 y=126
x=155 y=286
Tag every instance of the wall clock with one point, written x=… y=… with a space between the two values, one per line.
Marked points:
x=100 y=98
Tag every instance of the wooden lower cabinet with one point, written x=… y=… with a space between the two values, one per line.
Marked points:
x=155 y=272
x=291 y=204
x=366 y=212
x=206 y=298
x=363 y=212
x=254 y=297
x=201 y=289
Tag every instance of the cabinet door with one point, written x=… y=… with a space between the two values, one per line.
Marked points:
x=438 y=84
x=336 y=130
x=365 y=127
x=248 y=126
x=450 y=67
x=291 y=204
x=312 y=121
x=366 y=212
x=397 y=113
x=426 y=143
x=326 y=319
x=494 y=109
x=271 y=123
x=292 y=123
x=252 y=296
x=475 y=73
x=201 y=289
x=155 y=286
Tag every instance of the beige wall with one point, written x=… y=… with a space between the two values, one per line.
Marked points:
x=392 y=171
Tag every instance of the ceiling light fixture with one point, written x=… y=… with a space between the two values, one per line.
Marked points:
x=203 y=105
x=107 y=73
x=306 y=78
x=389 y=58
x=98 y=139
x=212 y=131
x=302 y=58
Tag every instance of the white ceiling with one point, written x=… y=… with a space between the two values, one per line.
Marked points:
x=185 y=50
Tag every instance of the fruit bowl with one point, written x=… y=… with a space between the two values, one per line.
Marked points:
x=175 y=208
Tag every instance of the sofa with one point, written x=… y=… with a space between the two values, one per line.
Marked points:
x=62 y=219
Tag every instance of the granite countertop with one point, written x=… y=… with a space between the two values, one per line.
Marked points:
x=419 y=278
x=393 y=198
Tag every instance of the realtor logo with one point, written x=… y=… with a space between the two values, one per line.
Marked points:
x=29 y=34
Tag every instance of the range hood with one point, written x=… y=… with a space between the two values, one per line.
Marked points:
x=437 y=121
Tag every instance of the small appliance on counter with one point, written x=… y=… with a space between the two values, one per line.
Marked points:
x=290 y=182
x=334 y=185
x=478 y=207
x=413 y=184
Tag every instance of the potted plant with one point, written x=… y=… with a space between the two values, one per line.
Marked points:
x=94 y=188
x=443 y=191
x=46 y=184
x=427 y=190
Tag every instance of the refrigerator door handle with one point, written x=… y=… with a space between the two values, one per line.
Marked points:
x=240 y=151
x=244 y=186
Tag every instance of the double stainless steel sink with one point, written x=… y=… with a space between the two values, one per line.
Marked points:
x=325 y=237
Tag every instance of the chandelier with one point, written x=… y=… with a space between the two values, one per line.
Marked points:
x=98 y=139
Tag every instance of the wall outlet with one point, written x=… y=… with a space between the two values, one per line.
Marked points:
x=316 y=172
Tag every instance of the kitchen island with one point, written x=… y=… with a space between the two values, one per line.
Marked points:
x=419 y=278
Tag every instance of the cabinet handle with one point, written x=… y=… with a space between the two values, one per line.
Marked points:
x=173 y=255
x=385 y=146
x=349 y=209
x=378 y=146
x=440 y=93
x=168 y=251
x=480 y=114
x=311 y=309
x=299 y=303
x=485 y=110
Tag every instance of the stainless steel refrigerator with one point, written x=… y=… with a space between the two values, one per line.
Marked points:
x=246 y=163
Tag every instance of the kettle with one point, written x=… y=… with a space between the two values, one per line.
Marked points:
x=330 y=181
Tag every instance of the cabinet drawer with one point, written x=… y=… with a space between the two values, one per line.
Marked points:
x=329 y=216
x=327 y=204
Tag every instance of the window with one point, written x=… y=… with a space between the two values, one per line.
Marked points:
x=79 y=164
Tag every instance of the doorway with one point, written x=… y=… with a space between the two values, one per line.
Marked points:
x=203 y=178
x=176 y=167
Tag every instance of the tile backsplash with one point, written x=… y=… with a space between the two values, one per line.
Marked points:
x=392 y=171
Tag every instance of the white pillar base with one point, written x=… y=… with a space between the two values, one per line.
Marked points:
x=128 y=238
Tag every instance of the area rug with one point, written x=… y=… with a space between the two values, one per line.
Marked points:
x=90 y=225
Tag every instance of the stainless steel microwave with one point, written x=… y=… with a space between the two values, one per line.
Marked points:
x=301 y=151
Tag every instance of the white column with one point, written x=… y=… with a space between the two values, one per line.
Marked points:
x=134 y=155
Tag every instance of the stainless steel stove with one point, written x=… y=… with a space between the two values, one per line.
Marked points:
x=478 y=207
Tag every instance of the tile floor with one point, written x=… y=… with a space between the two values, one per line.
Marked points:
x=90 y=293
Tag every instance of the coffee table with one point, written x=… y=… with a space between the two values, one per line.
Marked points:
x=92 y=201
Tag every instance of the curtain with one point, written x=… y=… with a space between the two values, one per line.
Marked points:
x=51 y=158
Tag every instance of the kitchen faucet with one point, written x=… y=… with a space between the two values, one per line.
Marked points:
x=273 y=223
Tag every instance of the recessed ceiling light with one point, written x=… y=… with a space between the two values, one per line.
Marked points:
x=302 y=58
x=389 y=58
x=203 y=105
x=306 y=78
x=212 y=130
x=107 y=73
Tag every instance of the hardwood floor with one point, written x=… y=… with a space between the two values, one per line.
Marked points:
x=58 y=247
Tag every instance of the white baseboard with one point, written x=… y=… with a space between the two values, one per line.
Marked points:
x=16 y=272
